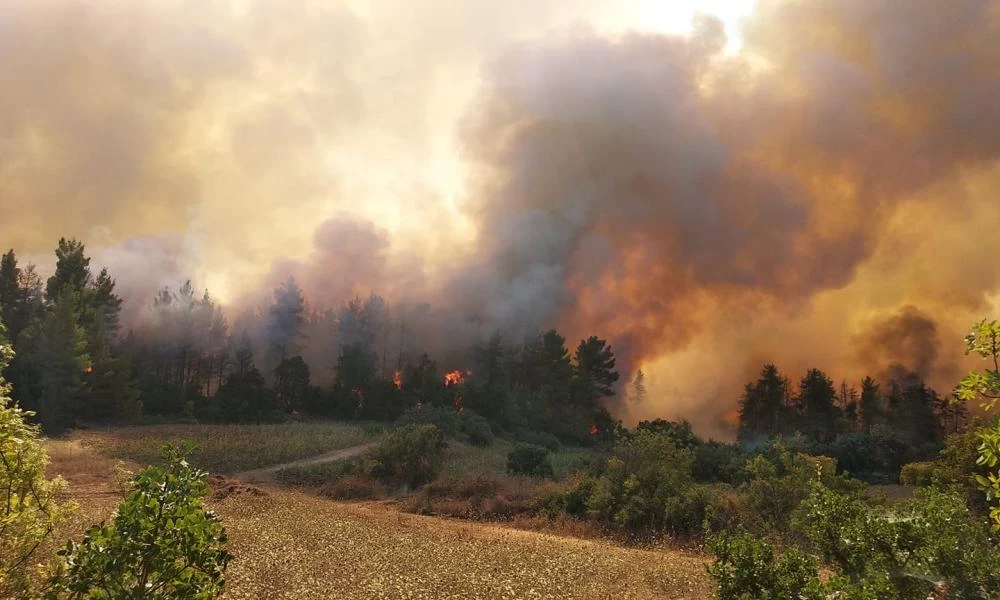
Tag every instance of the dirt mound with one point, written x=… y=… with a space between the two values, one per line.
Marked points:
x=224 y=488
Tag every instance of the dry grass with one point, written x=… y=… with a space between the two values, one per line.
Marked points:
x=293 y=545
x=289 y=544
x=231 y=448
x=464 y=460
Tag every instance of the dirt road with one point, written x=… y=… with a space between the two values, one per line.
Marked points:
x=266 y=474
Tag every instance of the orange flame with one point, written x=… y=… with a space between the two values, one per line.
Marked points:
x=88 y=369
x=453 y=378
x=397 y=380
x=594 y=430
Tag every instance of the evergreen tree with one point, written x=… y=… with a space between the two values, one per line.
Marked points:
x=20 y=296
x=869 y=407
x=912 y=410
x=638 y=394
x=820 y=415
x=548 y=367
x=595 y=371
x=10 y=292
x=489 y=359
x=291 y=383
x=64 y=360
x=72 y=270
x=107 y=305
x=287 y=316
x=764 y=406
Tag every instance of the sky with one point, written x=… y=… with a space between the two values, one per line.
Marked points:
x=709 y=185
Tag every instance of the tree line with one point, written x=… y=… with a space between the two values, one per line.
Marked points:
x=74 y=361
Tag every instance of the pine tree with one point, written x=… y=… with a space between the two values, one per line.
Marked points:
x=287 y=316
x=63 y=359
x=869 y=407
x=595 y=372
x=72 y=270
x=764 y=411
x=639 y=388
x=820 y=415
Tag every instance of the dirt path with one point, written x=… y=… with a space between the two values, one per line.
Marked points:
x=266 y=474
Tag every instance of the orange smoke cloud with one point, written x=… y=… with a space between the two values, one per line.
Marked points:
x=825 y=196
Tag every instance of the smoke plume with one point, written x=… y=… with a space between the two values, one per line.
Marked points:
x=822 y=196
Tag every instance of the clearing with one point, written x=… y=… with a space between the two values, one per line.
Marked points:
x=291 y=544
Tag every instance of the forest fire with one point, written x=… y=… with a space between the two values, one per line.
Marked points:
x=594 y=430
x=454 y=377
x=397 y=380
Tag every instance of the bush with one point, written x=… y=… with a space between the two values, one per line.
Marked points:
x=161 y=544
x=411 y=456
x=746 y=567
x=444 y=418
x=538 y=438
x=694 y=509
x=718 y=462
x=477 y=429
x=451 y=422
x=903 y=552
x=529 y=460
x=775 y=487
x=643 y=473
x=30 y=508
x=919 y=473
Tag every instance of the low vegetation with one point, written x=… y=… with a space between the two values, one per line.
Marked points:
x=162 y=543
x=234 y=448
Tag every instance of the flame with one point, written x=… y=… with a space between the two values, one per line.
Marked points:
x=88 y=369
x=397 y=380
x=594 y=430
x=454 y=377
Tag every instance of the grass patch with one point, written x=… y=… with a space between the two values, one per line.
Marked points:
x=232 y=448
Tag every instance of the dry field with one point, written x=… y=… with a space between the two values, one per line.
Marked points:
x=290 y=544
x=231 y=448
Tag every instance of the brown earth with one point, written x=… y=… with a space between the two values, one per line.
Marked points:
x=290 y=544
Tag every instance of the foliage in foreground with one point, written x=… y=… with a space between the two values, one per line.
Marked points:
x=984 y=340
x=161 y=544
x=29 y=510
x=930 y=543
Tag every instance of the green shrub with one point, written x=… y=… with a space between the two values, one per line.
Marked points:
x=902 y=552
x=776 y=486
x=644 y=471
x=532 y=461
x=411 y=456
x=445 y=418
x=746 y=567
x=29 y=510
x=718 y=462
x=689 y=512
x=538 y=438
x=161 y=544
x=477 y=429
x=919 y=473
x=452 y=423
